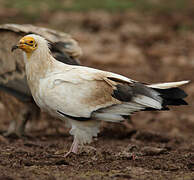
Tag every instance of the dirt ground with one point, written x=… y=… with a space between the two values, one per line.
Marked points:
x=158 y=145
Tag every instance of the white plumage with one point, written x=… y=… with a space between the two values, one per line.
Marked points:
x=83 y=96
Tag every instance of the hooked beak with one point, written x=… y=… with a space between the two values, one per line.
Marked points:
x=14 y=48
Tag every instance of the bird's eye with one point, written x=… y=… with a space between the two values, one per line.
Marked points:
x=31 y=42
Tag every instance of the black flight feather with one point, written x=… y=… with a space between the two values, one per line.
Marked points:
x=172 y=96
x=73 y=117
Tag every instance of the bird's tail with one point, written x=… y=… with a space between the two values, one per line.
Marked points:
x=171 y=93
x=168 y=85
x=140 y=97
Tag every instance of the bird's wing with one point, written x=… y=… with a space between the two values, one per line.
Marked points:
x=12 y=69
x=83 y=93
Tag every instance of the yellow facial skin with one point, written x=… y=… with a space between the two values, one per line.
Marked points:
x=27 y=44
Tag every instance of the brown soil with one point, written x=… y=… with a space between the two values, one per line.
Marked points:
x=159 y=145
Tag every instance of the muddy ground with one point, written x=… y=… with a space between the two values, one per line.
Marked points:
x=158 y=145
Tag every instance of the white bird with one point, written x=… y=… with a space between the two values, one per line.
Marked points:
x=85 y=96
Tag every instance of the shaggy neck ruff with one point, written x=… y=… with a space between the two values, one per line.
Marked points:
x=38 y=63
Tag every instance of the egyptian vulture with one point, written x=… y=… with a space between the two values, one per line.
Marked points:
x=83 y=96
x=14 y=91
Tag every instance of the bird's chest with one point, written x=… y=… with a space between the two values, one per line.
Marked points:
x=37 y=85
x=40 y=93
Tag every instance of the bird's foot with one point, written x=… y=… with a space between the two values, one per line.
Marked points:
x=63 y=153
x=13 y=135
x=69 y=153
x=13 y=131
x=134 y=157
x=16 y=135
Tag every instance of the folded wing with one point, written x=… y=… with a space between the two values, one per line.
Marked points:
x=110 y=97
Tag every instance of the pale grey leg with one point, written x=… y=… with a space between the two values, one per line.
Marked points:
x=73 y=149
x=11 y=128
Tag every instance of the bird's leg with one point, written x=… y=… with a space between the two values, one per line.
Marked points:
x=21 y=128
x=74 y=148
x=11 y=128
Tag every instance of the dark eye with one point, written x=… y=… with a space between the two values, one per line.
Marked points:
x=31 y=42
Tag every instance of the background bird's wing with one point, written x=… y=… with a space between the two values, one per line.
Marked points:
x=71 y=46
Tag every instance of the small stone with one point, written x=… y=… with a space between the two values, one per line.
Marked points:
x=61 y=162
x=152 y=151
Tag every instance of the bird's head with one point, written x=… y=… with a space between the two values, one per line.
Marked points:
x=30 y=43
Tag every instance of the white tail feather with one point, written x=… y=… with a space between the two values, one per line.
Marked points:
x=168 y=85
